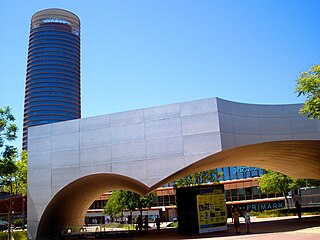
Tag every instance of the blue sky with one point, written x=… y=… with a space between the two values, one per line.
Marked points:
x=142 y=53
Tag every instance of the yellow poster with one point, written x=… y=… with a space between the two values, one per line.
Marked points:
x=212 y=213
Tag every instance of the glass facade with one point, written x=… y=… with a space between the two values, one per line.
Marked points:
x=53 y=69
x=239 y=172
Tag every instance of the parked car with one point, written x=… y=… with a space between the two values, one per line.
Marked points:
x=3 y=225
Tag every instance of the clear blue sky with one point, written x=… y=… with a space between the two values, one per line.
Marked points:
x=142 y=53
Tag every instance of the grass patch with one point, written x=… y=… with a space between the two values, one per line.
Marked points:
x=173 y=224
x=19 y=235
x=113 y=225
x=273 y=213
x=119 y=225
x=281 y=213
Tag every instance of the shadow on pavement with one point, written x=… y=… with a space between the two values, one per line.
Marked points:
x=261 y=227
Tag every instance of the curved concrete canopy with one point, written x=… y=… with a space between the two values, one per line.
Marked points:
x=298 y=159
x=69 y=206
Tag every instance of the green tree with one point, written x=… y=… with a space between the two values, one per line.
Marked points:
x=274 y=182
x=20 y=178
x=121 y=200
x=8 y=133
x=308 y=85
x=199 y=178
x=308 y=182
x=145 y=202
x=15 y=182
x=114 y=205
x=8 y=154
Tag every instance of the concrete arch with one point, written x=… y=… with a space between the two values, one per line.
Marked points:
x=68 y=207
x=298 y=159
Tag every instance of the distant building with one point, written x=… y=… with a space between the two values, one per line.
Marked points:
x=241 y=190
x=52 y=92
x=18 y=207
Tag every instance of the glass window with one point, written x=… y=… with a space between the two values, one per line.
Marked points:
x=279 y=195
x=51 y=112
x=256 y=193
x=46 y=80
x=227 y=194
x=52 y=108
x=241 y=194
x=52 y=59
x=261 y=172
x=160 y=200
x=36 y=91
x=247 y=174
x=233 y=175
x=271 y=195
x=220 y=174
x=172 y=200
x=53 y=55
x=49 y=103
x=248 y=193
x=41 y=32
x=53 y=98
x=55 y=71
x=234 y=193
x=50 y=117
x=49 y=85
x=255 y=173
x=226 y=173
x=55 y=51
x=166 y=200
x=239 y=175
x=264 y=195
x=53 y=39
x=155 y=201
x=42 y=52
x=59 y=66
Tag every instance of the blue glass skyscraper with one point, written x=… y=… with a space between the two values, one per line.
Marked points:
x=52 y=92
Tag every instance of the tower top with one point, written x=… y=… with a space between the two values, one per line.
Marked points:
x=56 y=15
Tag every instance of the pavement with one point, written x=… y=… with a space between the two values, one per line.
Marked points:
x=277 y=228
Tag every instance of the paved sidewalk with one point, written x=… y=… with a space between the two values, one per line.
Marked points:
x=261 y=229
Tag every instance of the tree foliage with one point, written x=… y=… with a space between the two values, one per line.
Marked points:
x=13 y=168
x=308 y=182
x=308 y=85
x=8 y=129
x=121 y=200
x=134 y=201
x=8 y=153
x=114 y=205
x=16 y=182
x=274 y=182
x=198 y=178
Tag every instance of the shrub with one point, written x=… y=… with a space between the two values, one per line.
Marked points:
x=20 y=235
x=285 y=212
x=18 y=222
x=3 y=236
x=174 y=225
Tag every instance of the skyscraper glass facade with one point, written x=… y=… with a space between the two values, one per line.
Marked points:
x=52 y=91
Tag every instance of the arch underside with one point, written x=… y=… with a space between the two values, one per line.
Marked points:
x=298 y=159
x=69 y=206
x=295 y=158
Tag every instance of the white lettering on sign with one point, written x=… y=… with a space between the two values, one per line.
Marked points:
x=264 y=206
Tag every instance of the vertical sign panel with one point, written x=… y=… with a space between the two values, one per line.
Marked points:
x=211 y=212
